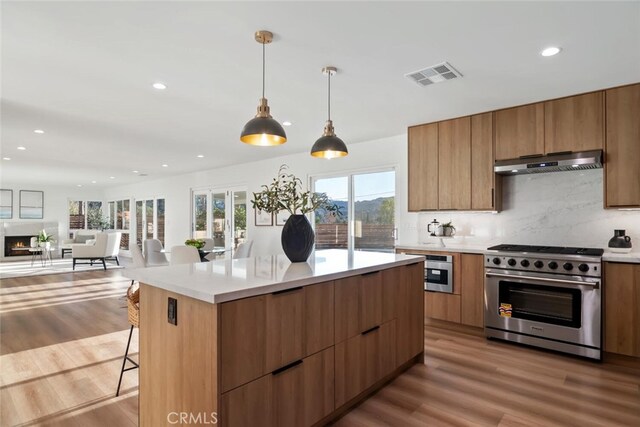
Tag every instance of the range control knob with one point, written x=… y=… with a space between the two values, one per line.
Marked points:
x=553 y=265
x=567 y=266
x=496 y=261
x=538 y=264
x=524 y=263
x=583 y=267
x=511 y=262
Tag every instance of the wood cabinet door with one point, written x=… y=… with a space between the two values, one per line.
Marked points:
x=348 y=372
x=318 y=317
x=575 y=123
x=370 y=300
x=319 y=387
x=423 y=167
x=483 y=190
x=347 y=303
x=287 y=391
x=622 y=147
x=622 y=308
x=377 y=353
x=248 y=406
x=392 y=284
x=438 y=305
x=410 y=321
x=472 y=294
x=520 y=131
x=242 y=341
x=454 y=160
x=284 y=328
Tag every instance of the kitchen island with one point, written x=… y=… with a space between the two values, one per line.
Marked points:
x=262 y=341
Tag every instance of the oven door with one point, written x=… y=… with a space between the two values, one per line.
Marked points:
x=438 y=276
x=561 y=308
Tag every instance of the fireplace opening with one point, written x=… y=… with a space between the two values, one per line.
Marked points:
x=16 y=245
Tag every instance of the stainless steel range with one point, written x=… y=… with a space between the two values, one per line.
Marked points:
x=545 y=296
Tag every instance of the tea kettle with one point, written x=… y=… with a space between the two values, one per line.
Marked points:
x=620 y=242
x=432 y=227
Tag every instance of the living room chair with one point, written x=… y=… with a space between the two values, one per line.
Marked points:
x=153 y=253
x=184 y=255
x=208 y=244
x=84 y=237
x=243 y=250
x=92 y=253
x=113 y=247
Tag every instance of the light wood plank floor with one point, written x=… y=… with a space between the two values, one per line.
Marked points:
x=62 y=338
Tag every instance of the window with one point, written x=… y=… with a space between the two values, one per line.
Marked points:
x=365 y=215
x=120 y=219
x=220 y=215
x=149 y=220
x=85 y=215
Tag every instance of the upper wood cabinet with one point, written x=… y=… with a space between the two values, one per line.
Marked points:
x=454 y=154
x=622 y=147
x=451 y=165
x=485 y=185
x=423 y=167
x=622 y=308
x=520 y=131
x=575 y=123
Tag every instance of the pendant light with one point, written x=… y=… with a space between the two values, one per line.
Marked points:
x=329 y=146
x=263 y=130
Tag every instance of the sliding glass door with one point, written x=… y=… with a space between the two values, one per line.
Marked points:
x=365 y=215
x=149 y=220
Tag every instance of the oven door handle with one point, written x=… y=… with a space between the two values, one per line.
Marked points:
x=544 y=279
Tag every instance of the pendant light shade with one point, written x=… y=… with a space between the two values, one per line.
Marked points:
x=263 y=130
x=329 y=146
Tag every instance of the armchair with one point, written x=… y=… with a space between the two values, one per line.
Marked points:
x=91 y=253
x=85 y=237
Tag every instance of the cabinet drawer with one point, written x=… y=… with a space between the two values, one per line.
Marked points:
x=370 y=300
x=438 y=305
x=284 y=328
x=319 y=317
x=364 y=359
x=358 y=304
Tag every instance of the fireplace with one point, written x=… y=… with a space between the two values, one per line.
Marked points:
x=16 y=245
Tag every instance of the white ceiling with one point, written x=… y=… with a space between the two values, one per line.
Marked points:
x=83 y=73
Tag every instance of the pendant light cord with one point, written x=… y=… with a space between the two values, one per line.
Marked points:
x=329 y=96
x=263 y=66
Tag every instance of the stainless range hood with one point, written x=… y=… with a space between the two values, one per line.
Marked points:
x=551 y=163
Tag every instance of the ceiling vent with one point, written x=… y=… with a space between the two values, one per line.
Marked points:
x=435 y=74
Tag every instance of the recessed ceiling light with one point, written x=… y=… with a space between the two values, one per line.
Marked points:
x=22 y=148
x=550 y=51
x=159 y=86
x=165 y=166
x=134 y=171
x=6 y=158
x=286 y=123
x=112 y=177
x=79 y=185
x=93 y=182
x=200 y=156
x=40 y=131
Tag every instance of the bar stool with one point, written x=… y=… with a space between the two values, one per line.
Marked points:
x=133 y=314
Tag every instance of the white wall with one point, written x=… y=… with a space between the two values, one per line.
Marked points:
x=56 y=203
x=388 y=152
x=558 y=209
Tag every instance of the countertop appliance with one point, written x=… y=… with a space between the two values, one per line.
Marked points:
x=545 y=296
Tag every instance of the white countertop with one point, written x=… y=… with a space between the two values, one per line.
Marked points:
x=450 y=247
x=231 y=279
x=631 y=257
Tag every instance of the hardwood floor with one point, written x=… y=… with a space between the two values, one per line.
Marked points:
x=62 y=338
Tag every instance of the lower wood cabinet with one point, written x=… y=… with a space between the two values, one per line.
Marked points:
x=622 y=308
x=364 y=359
x=472 y=290
x=296 y=395
x=441 y=306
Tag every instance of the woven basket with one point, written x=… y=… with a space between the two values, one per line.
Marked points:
x=133 y=305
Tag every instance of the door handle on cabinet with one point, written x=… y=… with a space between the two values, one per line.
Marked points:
x=368 y=331
x=287 y=367
x=284 y=291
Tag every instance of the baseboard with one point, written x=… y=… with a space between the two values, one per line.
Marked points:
x=456 y=327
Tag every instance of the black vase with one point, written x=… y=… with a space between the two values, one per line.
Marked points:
x=297 y=238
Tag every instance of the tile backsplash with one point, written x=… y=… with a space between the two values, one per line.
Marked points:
x=561 y=208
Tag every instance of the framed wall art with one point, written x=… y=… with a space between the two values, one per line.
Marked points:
x=31 y=204
x=263 y=218
x=6 y=204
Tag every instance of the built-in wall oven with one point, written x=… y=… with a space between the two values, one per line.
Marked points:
x=547 y=300
x=438 y=273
